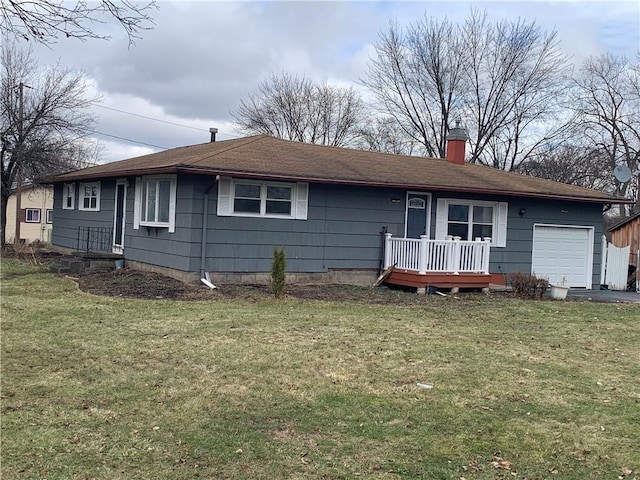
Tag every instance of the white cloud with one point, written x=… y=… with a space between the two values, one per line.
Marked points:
x=202 y=58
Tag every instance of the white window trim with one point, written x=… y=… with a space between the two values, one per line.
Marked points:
x=226 y=197
x=137 y=213
x=49 y=216
x=65 y=196
x=427 y=212
x=81 y=197
x=26 y=213
x=500 y=212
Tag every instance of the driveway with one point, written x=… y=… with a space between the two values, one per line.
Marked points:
x=606 y=296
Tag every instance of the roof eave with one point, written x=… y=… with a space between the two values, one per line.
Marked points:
x=172 y=169
x=624 y=221
x=133 y=172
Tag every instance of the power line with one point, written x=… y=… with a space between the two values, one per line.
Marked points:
x=130 y=140
x=152 y=118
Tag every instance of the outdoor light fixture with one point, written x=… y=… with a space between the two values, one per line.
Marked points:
x=522 y=212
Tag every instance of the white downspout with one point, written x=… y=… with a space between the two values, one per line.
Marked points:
x=204 y=275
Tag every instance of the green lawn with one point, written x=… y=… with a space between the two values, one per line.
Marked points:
x=108 y=388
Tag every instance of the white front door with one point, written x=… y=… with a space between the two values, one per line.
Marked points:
x=119 y=216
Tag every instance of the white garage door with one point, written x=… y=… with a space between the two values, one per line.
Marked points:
x=563 y=252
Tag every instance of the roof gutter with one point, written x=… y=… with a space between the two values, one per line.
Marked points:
x=299 y=178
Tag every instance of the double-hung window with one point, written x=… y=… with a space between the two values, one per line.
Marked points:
x=90 y=196
x=262 y=199
x=155 y=202
x=472 y=219
x=68 y=196
x=250 y=198
x=469 y=221
x=32 y=215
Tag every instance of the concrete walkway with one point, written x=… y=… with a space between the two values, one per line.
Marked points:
x=606 y=296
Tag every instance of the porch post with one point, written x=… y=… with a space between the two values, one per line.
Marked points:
x=422 y=255
x=486 y=253
x=456 y=256
x=603 y=261
x=387 y=251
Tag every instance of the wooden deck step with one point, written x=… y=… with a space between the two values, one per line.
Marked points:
x=409 y=278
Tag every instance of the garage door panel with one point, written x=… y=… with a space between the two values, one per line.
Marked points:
x=563 y=252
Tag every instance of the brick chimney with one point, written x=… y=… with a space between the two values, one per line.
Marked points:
x=456 y=143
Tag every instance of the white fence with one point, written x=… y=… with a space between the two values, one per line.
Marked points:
x=443 y=256
x=615 y=265
x=638 y=271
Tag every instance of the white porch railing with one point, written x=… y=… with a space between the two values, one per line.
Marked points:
x=443 y=256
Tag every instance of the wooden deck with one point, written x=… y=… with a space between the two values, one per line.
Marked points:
x=408 y=278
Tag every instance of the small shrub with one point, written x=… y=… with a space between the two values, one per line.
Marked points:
x=278 y=275
x=526 y=285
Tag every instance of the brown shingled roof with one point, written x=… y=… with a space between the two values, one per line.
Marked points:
x=263 y=156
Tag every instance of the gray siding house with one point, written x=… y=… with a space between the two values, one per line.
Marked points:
x=342 y=215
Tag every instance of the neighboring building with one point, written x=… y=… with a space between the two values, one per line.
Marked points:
x=36 y=214
x=220 y=208
x=627 y=233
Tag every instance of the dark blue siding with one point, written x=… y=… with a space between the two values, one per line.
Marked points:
x=516 y=256
x=342 y=230
x=66 y=222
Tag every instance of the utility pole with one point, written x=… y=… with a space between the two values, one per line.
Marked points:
x=19 y=171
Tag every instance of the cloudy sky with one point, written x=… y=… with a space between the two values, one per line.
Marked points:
x=203 y=57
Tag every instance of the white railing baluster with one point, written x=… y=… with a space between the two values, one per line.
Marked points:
x=423 y=255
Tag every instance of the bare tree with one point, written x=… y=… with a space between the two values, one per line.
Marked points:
x=415 y=79
x=44 y=124
x=572 y=164
x=384 y=134
x=606 y=102
x=513 y=75
x=45 y=20
x=498 y=79
x=297 y=109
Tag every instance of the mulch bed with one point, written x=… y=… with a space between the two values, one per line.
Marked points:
x=130 y=283
x=135 y=284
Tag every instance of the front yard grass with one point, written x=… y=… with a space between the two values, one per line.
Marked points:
x=108 y=388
